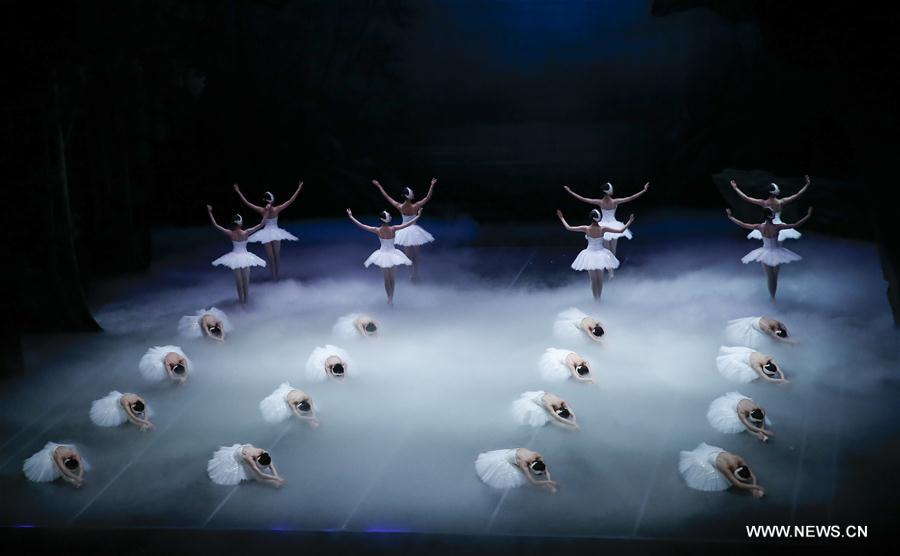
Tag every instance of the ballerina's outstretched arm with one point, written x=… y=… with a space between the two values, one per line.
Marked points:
x=797 y=223
x=407 y=224
x=216 y=224
x=745 y=197
x=311 y=417
x=547 y=483
x=566 y=224
x=739 y=223
x=360 y=224
x=580 y=198
x=251 y=231
x=290 y=201
x=257 y=470
x=566 y=422
x=633 y=197
x=618 y=230
x=257 y=208
x=427 y=195
x=758 y=430
x=797 y=194
x=77 y=479
x=384 y=194
x=732 y=478
x=141 y=422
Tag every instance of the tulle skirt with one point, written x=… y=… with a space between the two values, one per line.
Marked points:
x=189 y=325
x=239 y=259
x=315 y=364
x=568 y=325
x=595 y=259
x=612 y=222
x=698 y=467
x=40 y=467
x=498 y=469
x=552 y=364
x=274 y=407
x=529 y=409
x=153 y=366
x=271 y=232
x=413 y=235
x=108 y=412
x=734 y=364
x=745 y=332
x=771 y=255
x=345 y=327
x=787 y=233
x=387 y=258
x=227 y=466
x=723 y=415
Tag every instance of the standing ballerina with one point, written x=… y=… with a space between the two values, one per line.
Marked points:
x=608 y=205
x=387 y=256
x=774 y=204
x=414 y=236
x=771 y=254
x=595 y=258
x=271 y=235
x=239 y=260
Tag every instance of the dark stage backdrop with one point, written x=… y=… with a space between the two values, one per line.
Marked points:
x=121 y=116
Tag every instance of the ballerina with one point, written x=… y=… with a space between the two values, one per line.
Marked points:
x=608 y=206
x=559 y=364
x=271 y=235
x=328 y=361
x=209 y=323
x=117 y=409
x=387 y=256
x=774 y=204
x=56 y=461
x=239 y=259
x=573 y=324
x=241 y=462
x=286 y=401
x=162 y=363
x=743 y=364
x=355 y=325
x=595 y=258
x=754 y=331
x=513 y=468
x=735 y=412
x=771 y=254
x=538 y=408
x=414 y=236
x=711 y=468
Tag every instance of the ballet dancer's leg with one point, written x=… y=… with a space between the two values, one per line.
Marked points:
x=245 y=279
x=276 y=250
x=388 y=285
x=412 y=251
x=771 y=279
x=240 y=284
x=270 y=256
x=596 y=283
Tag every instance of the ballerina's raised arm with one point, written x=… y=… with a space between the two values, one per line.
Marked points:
x=427 y=197
x=785 y=226
x=580 y=198
x=803 y=189
x=740 y=223
x=632 y=197
x=384 y=194
x=566 y=225
x=257 y=208
x=372 y=229
x=742 y=195
x=290 y=201
x=214 y=223
x=605 y=229
x=408 y=224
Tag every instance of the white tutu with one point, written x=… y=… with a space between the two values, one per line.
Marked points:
x=745 y=332
x=498 y=469
x=108 y=412
x=734 y=364
x=40 y=467
x=227 y=466
x=387 y=255
x=271 y=232
x=787 y=233
x=274 y=407
x=771 y=254
x=413 y=235
x=315 y=364
x=723 y=414
x=239 y=257
x=608 y=218
x=595 y=257
x=345 y=327
x=698 y=467
x=529 y=409
x=568 y=325
x=189 y=325
x=153 y=366
x=552 y=364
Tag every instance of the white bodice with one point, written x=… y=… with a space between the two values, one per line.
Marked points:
x=271 y=222
x=386 y=244
x=407 y=217
x=608 y=215
x=770 y=242
x=594 y=243
x=238 y=246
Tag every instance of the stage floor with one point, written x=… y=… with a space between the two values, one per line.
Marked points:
x=396 y=447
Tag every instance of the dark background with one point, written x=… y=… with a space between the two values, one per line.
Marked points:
x=124 y=116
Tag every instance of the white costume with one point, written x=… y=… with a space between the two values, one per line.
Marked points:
x=315 y=364
x=595 y=256
x=239 y=257
x=734 y=364
x=771 y=253
x=189 y=325
x=108 y=412
x=412 y=235
x=153 y=363
x=552 y=364
x=275 y=407
x=568 y=325
x=41 y=467
x=498 y=469
x=698 y=467
x=387 y=255
x=608 y=219
x=271 y=232
x=745 y=332
x=787 y=233
x=529 y=409
x=227 y=466
x=345 y=327
x=723 y=413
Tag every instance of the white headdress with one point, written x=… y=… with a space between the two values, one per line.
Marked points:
x=269 y=197
x=408 y=193
x=237 y=220
x=774 y=190
x=385 y=216
x=595 y=214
